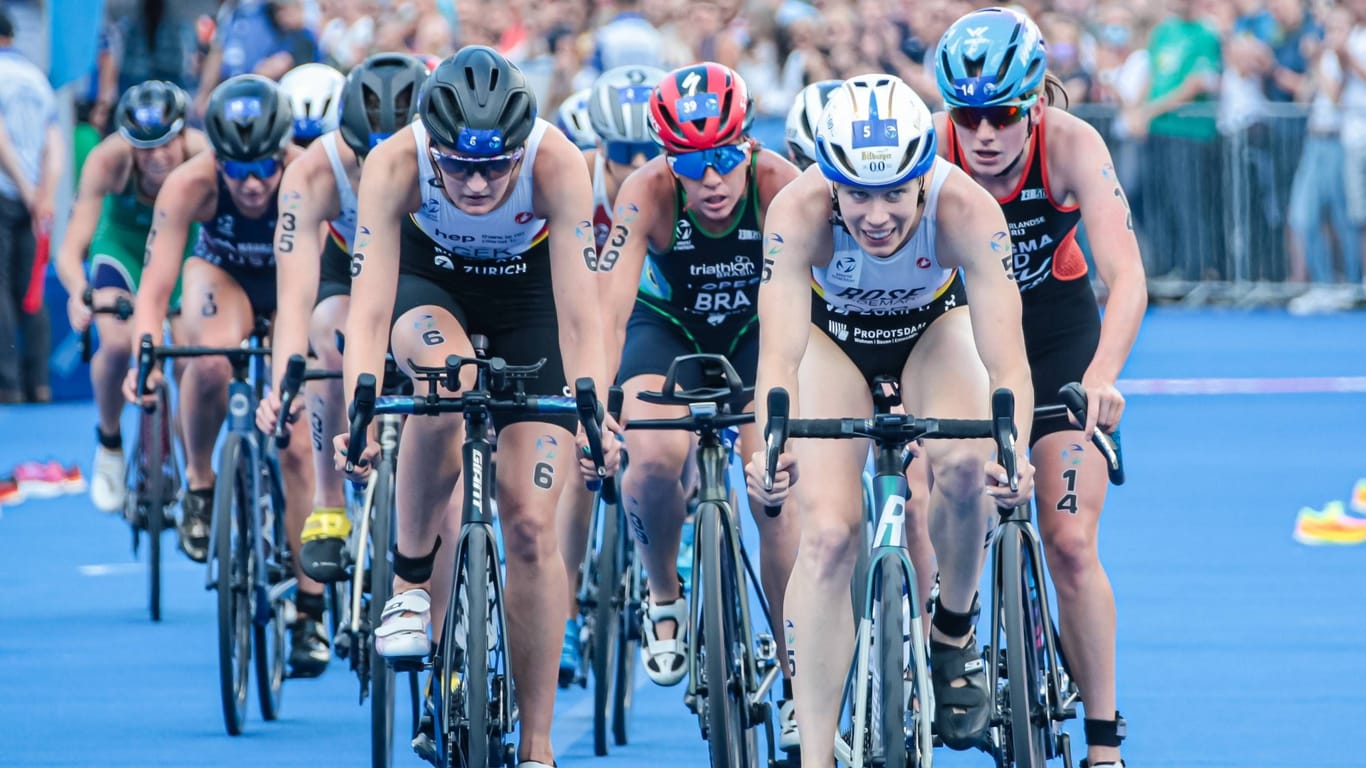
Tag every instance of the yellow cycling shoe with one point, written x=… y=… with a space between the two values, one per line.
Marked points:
x=1329 y=526
x=323 y=554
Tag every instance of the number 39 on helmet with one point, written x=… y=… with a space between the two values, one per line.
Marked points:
x=875 y=132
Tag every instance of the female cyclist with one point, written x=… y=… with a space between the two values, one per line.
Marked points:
x=1050 y=172
x=874 y=249
x=110 y=220
x=685 y=255
x=800 y=130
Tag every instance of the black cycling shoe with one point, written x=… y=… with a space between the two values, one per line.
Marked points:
x=961 y=714
x=321 y=560
x=308 y=651
x=196 y=520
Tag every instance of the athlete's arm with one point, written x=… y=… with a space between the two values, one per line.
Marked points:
x=99 y=177
x=565 y=200
x=308 y=197
x=189 y=194
x=973 y=235
x=388 y=191
x=1089 y=174
x=640 y=200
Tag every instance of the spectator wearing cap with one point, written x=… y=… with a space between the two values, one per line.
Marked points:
x=32 y=160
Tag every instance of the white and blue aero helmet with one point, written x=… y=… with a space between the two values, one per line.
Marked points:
x=314 y=94
x=875 y=132
x=572 y=118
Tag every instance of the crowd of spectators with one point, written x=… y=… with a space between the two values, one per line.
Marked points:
x=1238 y=126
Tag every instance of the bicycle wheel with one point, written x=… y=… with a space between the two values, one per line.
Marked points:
x=606 y=645
x=729 y=741
x=156 y=428
x=631 y=596
x=1024 y=662
x=888 y=693
x=465 y=715
x=232 y=555
x=381 y=577
x=269 y=619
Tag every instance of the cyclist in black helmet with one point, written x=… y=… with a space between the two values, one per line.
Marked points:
x=110 y=219
x=229 y=280
x=477 y=219
x=318 y=196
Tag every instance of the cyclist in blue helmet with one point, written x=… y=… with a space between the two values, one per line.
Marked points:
x=1051 y=172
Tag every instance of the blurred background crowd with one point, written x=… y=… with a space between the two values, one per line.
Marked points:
x=1237 y=126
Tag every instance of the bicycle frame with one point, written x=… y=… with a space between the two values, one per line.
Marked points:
x=713 y=500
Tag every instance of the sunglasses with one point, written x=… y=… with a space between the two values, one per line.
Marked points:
x=262 y=169
x=623 y=152
x=694 y=165
x=1001 y=116
x=461 y=167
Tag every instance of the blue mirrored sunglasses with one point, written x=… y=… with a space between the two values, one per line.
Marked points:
x=462 y=167
x=623 y=152
x=694 y=165
x=263 y=169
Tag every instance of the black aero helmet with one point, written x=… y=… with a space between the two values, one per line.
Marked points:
x=248 y=119
x=478 y=103
x=380 y=97
x=150 y=114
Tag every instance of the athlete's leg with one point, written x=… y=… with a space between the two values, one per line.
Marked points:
x=652 y=491
x=428 y=461
x=918 y=543
x=326 y=529
x=1070 y=483
x=216 y=313
x=826 y=500
x=573 y=515
x=945 y=378
x=777 y=544
x=535 y=569
x=108 y=367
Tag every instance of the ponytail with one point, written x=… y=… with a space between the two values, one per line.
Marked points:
x=1054 y=94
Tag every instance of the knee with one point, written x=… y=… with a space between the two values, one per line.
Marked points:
x=958 y=474
x=528 y=537
x=1071 y=553
x=653 y=465
x=209 y=373
x=828 y=548
x=296 y=459
x=322 y=337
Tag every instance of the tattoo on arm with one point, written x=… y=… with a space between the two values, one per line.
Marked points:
x=611 y=255
x=286 y=238
x=775 y=247
x=357 y=264
x=584 y=232
x=1000 y=245
x=1108 y=171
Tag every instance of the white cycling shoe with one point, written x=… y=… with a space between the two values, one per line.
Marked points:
x=666 y=660
x=404 y=622
x=107 y=488
x=789 y=740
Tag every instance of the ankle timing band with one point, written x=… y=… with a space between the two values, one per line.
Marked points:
x=415 y=570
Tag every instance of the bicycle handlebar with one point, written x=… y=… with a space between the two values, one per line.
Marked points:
x=590 y=416
x=775 y=435
x=1074 y=400
x=122 y=308
x=289 y=389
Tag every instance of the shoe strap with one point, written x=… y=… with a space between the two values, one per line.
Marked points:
x=412 y=601
x=328 y=523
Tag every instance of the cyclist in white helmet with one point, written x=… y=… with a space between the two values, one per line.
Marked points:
x=800 y=131
x=874 y=248
x=314 y=93
x=618 y=111
x=572 y=118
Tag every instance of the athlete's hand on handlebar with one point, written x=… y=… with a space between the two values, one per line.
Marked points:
x=78 y=312
x=783 y=479
x=613 y=435
x=998 y=482
x=341 y=443
x=268 y=412
x=1104 y=406
x=130 y=386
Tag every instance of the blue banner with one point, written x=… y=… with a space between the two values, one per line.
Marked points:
x=73 y=29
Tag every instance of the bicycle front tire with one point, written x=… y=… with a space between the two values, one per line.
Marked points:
x=1024 y=668
x=631 y=593
x=270 y=635
x=729 y=740
x=890 y=740
x=607 y=577
x=231 y=537
x=154 y=425
x=381 y=582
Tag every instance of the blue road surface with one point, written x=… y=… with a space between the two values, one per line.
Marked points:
x=1237 y=646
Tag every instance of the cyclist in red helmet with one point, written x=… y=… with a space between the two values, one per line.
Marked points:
x=683 y=263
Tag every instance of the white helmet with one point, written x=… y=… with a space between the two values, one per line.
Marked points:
x=801 y=120
x=572 y=118
x=619 y=107
x=875 y=132
x=314 y=93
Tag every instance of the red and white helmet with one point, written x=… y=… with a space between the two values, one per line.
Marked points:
x=698 y=107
